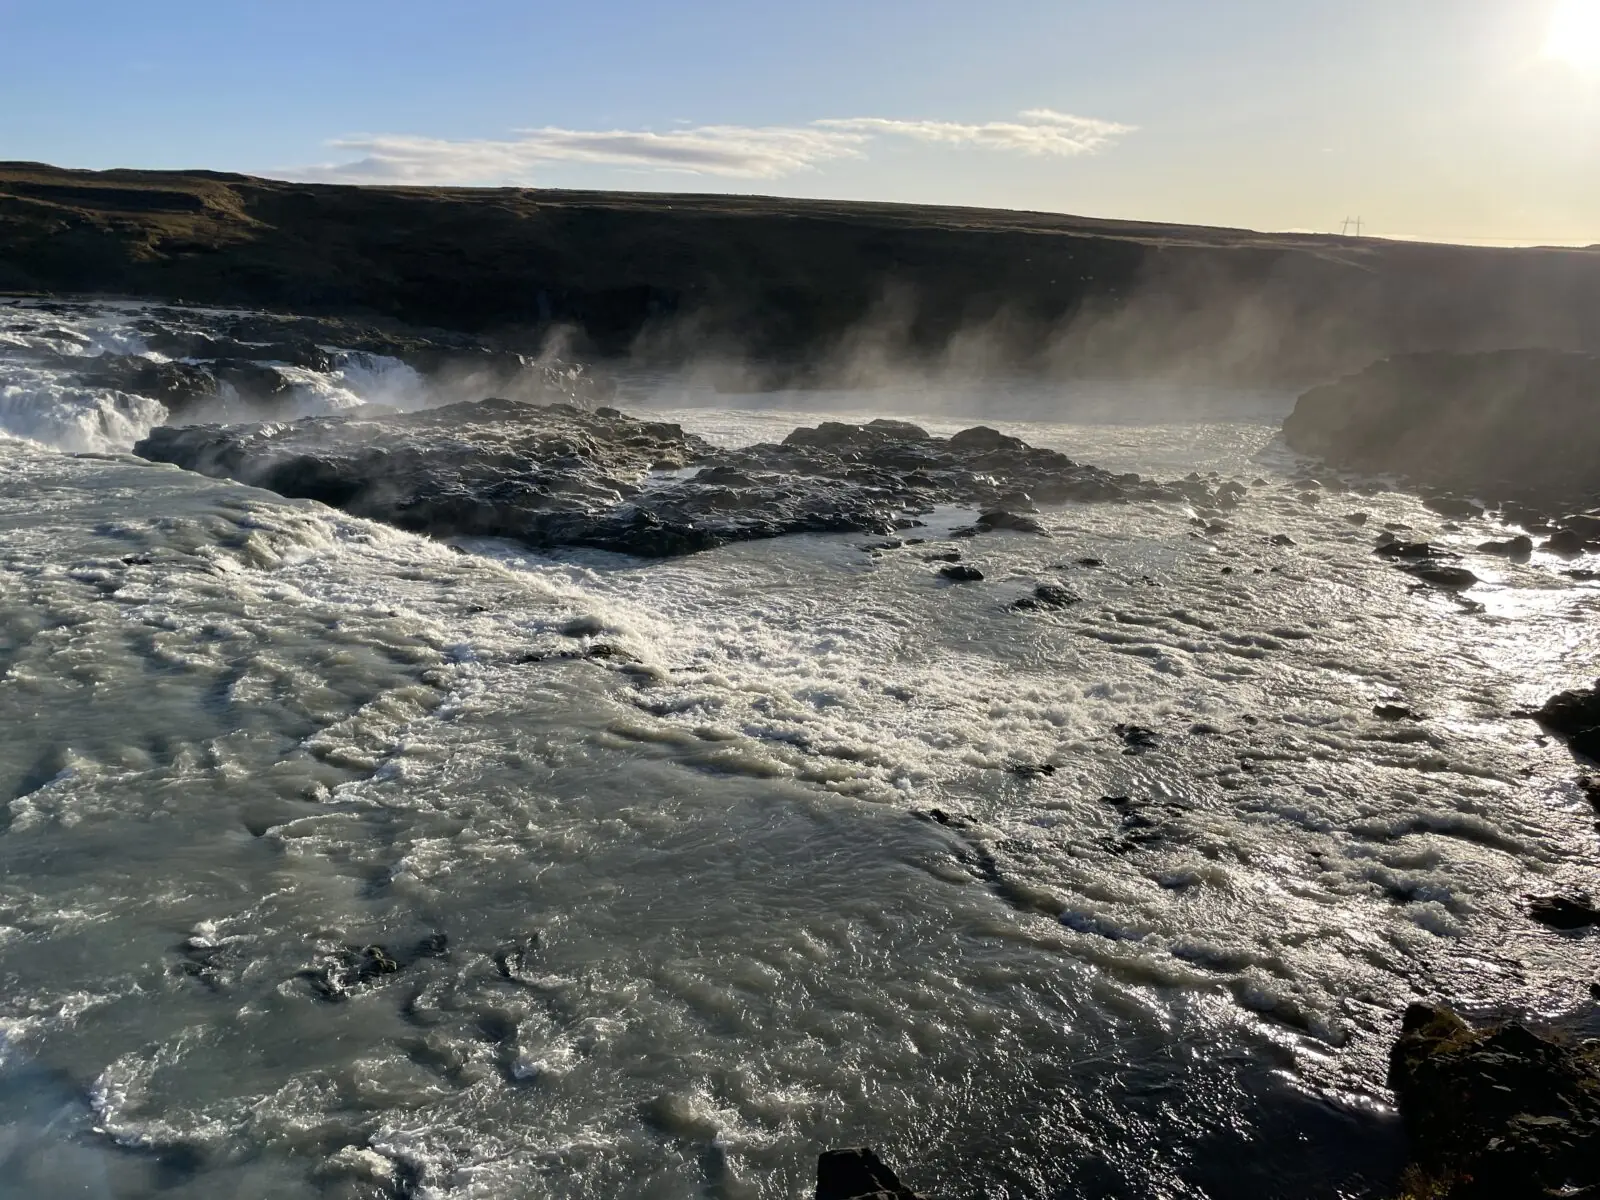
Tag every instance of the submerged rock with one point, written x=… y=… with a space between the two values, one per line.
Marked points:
x=1500 y=1113
x=1048 y=595
x=858 y=1174
x=1564 y=912
x=961 y=573
x=561 y=475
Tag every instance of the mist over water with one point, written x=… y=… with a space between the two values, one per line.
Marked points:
x=779 y=872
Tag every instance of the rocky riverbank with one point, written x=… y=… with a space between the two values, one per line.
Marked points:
x=560 y=475
x=1496 y=1112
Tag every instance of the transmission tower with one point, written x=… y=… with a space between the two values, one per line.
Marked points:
x=1349 y=221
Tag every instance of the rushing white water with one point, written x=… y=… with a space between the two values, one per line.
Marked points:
x=699 y=923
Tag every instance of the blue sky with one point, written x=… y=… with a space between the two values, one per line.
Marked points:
x=1472 y=120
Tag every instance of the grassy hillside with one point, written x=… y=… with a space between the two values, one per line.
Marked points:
x=787 y=280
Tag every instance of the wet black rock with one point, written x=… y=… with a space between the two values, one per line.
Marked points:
x=1048 y=595
x=1450 y=578
x=1564 y=912
x=1280 y=539
x=1590 y=787
x=177 y=385
x=1518 y=549
x=562 y=475
x=1452 y=506
x=1568 y=543
x=1499 y=1113
x=858 y=1174
x=961 y=573
x=1000 y=519
x=1031 y=770
x=1136 y=738
x=1358 y=518
x=1575 y=715
x=1089 y=562
x=1393 y=547
x=1394 y=712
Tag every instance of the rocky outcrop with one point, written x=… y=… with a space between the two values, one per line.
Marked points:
x=1574 y=715
x=858 y=1174
x=1512 y=424
x=1497 y=1113
x=560 y=475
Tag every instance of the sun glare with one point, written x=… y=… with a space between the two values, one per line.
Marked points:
x=1574 y=34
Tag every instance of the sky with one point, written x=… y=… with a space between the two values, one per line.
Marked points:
x=1454 y=120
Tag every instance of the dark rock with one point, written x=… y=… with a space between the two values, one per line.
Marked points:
x=1452 y=578
x=1031 y=770
x=562 y=475
x=1089 y=562
x=1564 y=912
x=1000 y=519
x=981 y=438
x=1394 y=712
x=177 y=385
x=1395 y=548
x=1136 y=738
x=1048 y=595
x=1357 y=518
x=1281 y=539
x=858 y=1174
x=1567 y=543
x=1575 y=715
x=961 y=573
x=1500 y=1113
x=1452 y=506
x=1518 y=549
x=947 y=556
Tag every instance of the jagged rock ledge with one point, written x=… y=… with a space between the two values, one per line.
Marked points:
x=1495 y=1113
x=558 y=475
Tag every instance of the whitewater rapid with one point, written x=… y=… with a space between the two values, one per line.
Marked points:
x=779 y=869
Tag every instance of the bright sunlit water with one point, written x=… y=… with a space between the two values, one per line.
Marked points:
x=697 y=929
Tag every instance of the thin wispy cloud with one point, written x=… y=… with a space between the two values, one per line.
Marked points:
x=728 y=151
x=1040 y=131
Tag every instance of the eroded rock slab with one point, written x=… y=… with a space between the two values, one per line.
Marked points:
x=559 y=475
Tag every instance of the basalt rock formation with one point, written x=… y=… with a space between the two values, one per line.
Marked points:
x=1497 y=1113
x=560 y=475
x=1510 y=425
